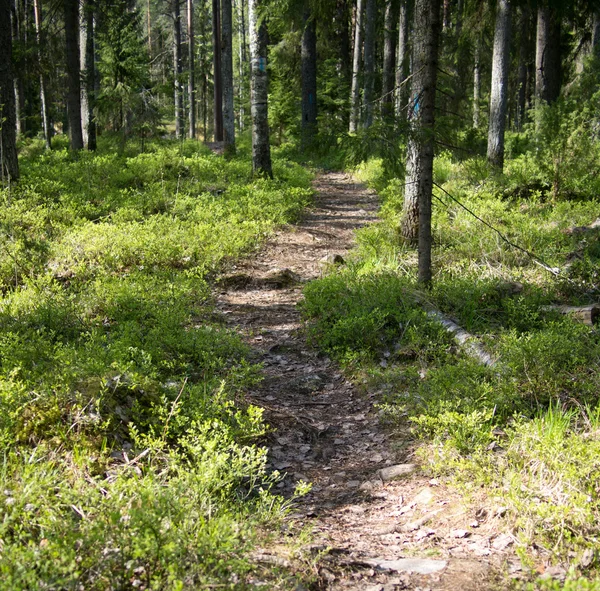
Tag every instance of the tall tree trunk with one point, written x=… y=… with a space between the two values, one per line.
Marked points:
x=227 y=72
x=355 y=90
x=71 y=8
x=596 y=33
x=547 y=55
x=369 y=88
x=44 y=107
x=9 y=163
x=261 y=147
x=88 y=74
x=192 y=69
x=17 y=25
x=499 y=91
x=416 y=222
x=388 y=60
x=309 y=82
x=243 y=59
x=402 y=62
x=149 y=27
x=343 y=32
x=524 y=47
x=476 y=82
x=446 y=15
x=217 y=71
x=177 y=70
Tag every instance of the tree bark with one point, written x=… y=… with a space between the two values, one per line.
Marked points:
x=18 y=69
x=9 y=163
x=309 y=82
x=596 y=34
x=369 y=82
x=88 y=74
x=192 y=70
x=388 y=60
x=345 y=46
x=243 y=60
x=402 y=62
x=71 y=9
x=355 y=90
x=177 y=69
x=261 y=147
x=217 y=71
x=499 y=91
x=44 y=107
x=547 y=55
x=227 y=73
x=524 y=46
x=416 y=223
x=476 y=83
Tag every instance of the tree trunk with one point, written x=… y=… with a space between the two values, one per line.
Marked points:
x=345 y=46
x=309 y=82
x=446 y=15
x=369 y=88
x=243 y=61
x=416 y=223
x=217 y=71
x=596 y=34
x=18 y=69
x=388 y=60
x=191 y=69
x=355 y=90
x=88 y=74
x=71 y=8
x=402 y=63
x=499 y=91
x=46 y=123
x=261 y=147
x=524 y=46
x=476 y=83
x=149 y=27
x=9 y=163
x=177 y=70
x=227 y=73
x=547 y=55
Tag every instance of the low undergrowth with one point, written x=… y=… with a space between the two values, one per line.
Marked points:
x=129 y=457
x=525 y=429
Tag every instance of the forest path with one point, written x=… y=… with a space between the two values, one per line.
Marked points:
x=327 y=432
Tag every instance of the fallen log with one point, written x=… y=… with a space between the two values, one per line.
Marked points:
x=589 y=314
x=466 y=340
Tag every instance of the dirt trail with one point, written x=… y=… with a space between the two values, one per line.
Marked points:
x=328 y=433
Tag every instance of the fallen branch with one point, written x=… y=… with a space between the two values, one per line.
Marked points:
x=466 y=340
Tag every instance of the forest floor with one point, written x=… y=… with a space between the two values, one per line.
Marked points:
x=370 y=529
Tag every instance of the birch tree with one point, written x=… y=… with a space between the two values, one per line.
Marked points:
x=44 y=105
x=261 y=147
x=355 y=89
x=499 y=90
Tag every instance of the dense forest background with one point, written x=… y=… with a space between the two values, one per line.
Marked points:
x=147 y=145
